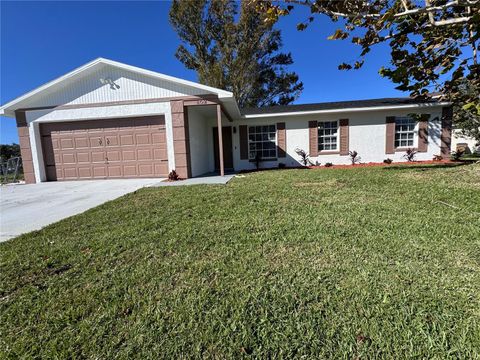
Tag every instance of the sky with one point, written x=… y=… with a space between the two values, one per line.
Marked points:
x=42 y=40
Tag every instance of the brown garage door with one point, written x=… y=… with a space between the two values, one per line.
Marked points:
x=105 y=149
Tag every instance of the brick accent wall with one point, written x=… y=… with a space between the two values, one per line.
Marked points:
x=181 y=141
x=25 y=149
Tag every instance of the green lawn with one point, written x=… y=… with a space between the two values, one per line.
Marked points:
x=325 y=263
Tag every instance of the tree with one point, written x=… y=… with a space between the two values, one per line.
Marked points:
x=8 y=151
x=234 y=51
x=434 y=44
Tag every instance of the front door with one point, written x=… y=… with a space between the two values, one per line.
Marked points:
x=227 y=148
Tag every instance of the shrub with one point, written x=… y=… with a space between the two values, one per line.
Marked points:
x=456 y=155
x=387 y=161
x=410 y=154
x=437 y=157
x=354 y=158
x=304 y=157
x=281 y=165
x=173 y=176
x=328 y=164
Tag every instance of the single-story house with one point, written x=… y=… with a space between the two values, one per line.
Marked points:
x=111 y=120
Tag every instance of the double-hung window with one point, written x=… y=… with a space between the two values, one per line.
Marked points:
x=328 y=136
x=262 y=142
x=404 y=131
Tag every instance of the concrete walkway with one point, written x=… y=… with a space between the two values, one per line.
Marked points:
x=24 y=208
x=201 y=180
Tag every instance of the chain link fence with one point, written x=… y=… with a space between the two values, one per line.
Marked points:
x=11 y=170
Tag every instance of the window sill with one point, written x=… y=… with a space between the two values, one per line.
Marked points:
x=262 y=160
x=403 y=149
x=329 y=152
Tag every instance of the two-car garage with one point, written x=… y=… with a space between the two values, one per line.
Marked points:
x=105 y=148
x=108 y=120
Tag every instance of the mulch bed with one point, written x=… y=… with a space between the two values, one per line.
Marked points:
x=362 y=165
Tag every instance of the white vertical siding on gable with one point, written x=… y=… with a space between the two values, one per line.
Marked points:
x=131 y=86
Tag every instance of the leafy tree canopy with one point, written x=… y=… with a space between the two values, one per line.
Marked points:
x=234 y=49
x=434 y=44
x=8 y=151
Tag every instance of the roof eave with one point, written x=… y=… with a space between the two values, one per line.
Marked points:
x=343 y=110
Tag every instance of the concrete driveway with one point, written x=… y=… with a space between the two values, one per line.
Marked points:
x=24 y=208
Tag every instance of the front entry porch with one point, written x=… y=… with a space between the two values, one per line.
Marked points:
x=209 y=150
x=227 y=148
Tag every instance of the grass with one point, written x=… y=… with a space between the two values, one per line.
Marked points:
x=470 y=157
x=327 y=263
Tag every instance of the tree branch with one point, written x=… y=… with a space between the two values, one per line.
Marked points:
x=408 y=12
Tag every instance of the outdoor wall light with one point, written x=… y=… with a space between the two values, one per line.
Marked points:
x=108 y=81
x=234 y=129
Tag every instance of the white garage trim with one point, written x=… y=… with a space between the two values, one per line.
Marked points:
x=36 y=117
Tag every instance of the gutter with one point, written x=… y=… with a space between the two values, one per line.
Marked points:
x=335 y=111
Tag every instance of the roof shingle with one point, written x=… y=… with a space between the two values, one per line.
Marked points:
x=335 y=105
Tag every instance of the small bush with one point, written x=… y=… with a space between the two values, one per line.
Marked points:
x=456 y=155
x=304 y=157
x=281 y=165
x=410 y=154
x=354 y=158
x=328 y=164
x=258 y=160
x=173 y=176
x=387 y=161
x=437 y=157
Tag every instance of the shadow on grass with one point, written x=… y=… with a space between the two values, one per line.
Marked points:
x=426 y=167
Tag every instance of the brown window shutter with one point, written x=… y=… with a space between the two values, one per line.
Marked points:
x=446 y=134
x=423 y=133
x=313 y=136
x=281 y=140
x=243 y=131
x=390 y=135
x=344 y=137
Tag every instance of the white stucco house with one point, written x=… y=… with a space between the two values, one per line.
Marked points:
x=111 y=120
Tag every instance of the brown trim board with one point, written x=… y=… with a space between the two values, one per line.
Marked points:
x=194 y=98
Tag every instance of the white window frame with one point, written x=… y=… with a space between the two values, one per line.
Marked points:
x=255 y=132
x=403 y=133
x=336 y=136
